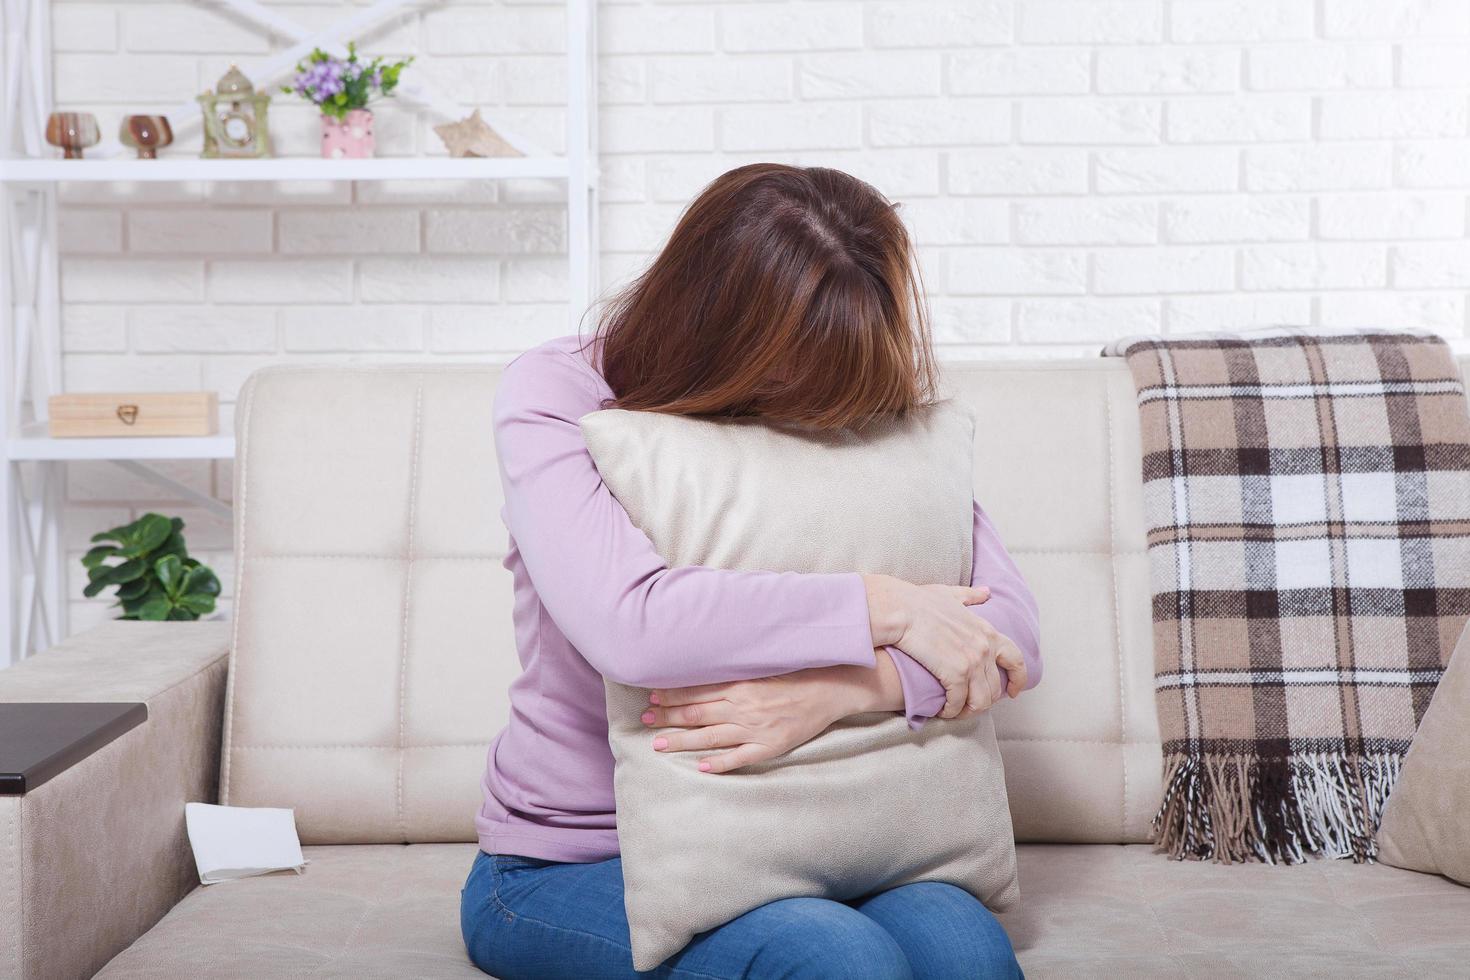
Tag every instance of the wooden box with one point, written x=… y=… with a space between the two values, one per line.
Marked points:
x=144 y=413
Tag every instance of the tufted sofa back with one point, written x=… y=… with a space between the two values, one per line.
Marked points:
x=1058 y=467
x=372 y=621
x=372 y=631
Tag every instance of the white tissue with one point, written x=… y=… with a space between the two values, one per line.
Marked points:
x=240 y=841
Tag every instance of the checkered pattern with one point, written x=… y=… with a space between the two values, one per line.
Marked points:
x=1308 y=502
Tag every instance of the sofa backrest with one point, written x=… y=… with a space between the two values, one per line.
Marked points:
x=1058 y=468
x=372 y=632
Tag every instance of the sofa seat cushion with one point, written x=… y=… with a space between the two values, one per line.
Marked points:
x=370 y=911
x=1093 y=910
x=1087 y=910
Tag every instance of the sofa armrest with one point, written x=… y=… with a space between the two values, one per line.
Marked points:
x=92 y=857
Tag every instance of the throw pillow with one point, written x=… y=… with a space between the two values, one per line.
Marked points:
x=868 y=804
x=1426 y=822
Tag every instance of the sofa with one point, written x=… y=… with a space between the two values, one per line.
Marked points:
x=363 y=672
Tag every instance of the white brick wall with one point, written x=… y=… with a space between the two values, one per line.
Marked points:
x=1072 y=169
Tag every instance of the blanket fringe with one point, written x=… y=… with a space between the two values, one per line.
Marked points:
x=1241 y=807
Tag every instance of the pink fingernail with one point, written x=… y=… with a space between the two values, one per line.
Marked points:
x=704 y=767
x=648 y=717
x=660 y=743
x=653 y=697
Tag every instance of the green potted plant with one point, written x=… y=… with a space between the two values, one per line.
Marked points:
x=155 y=577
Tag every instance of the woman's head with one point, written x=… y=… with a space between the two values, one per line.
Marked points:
x=789 y=293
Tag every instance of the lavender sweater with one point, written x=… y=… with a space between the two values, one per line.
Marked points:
x=593 y=599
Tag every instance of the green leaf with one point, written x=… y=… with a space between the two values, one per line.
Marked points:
x=115 y=534
x=138 y=602
x=170 y=572
x=137 y=587
x=94 y=557
x=93 y=588
x=178 y=612
x=197 y=604
x=152 y=531
x=155 y=609
x=127 y=571
x=201 y=581
x=100 y=573
x=174 y=545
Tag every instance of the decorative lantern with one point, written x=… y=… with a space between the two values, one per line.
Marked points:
x=235 y=118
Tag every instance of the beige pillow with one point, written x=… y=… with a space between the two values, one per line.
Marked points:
x=867 y=805
x=1426 y=822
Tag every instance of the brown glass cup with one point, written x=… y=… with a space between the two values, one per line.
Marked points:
x=73 y=132
x=146 y=134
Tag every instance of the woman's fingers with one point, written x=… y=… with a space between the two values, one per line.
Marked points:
x=1009 y=656
x=708 y=737
x=689 y=715
x=979 y=698
x=742 y=755
x=956 y=693
x=993 y=682
x=688 y=695
x=970 y=595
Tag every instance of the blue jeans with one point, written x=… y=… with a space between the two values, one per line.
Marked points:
x=531 y=918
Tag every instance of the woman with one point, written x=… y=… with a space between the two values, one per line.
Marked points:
x=790 y=294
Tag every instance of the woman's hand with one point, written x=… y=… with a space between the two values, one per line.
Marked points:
x=760 y=719
x=932 y=624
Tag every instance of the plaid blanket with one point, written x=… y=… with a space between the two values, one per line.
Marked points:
x=1308 y=503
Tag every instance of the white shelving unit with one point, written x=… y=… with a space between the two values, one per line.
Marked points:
x=174 y=169
x=32 y=487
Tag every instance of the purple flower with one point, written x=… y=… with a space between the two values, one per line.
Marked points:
x=325 y=78
x=321 y=80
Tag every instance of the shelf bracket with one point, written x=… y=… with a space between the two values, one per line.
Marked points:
x=202 y=500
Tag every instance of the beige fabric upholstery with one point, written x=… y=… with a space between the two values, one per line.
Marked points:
x=1426 y=822
x=359 y=912
x=12 y=889
x=372 y=645
x=93 y=857
x=390 y=911
x=1108 y=911
x=747 y=496
x=336 y=650
x=1057 y=467
x=372 y=491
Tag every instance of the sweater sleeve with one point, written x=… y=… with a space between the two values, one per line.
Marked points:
x=633 y=618
x=1011 y=609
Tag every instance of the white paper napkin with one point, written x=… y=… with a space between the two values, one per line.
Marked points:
x=239 y=841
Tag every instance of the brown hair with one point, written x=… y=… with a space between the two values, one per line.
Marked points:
x=790 y=293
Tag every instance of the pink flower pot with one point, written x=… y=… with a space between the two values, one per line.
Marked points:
x=350 y=139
